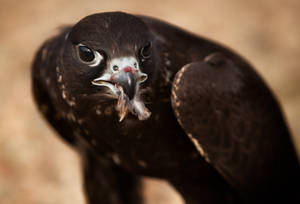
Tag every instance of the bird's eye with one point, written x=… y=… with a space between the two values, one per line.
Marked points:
x=145 y=51
x=88 y=56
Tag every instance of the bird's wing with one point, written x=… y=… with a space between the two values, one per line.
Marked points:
x=233 y=121
x=44 y=61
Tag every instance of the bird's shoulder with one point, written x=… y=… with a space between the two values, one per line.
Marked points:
x=234 y=122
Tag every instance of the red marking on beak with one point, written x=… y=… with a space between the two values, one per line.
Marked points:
x=129 y=69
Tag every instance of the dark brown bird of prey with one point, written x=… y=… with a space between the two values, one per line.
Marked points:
x=136 y=96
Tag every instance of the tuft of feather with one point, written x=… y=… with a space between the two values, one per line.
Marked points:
x=137 y=107
x=134 y=106
x=122 y=103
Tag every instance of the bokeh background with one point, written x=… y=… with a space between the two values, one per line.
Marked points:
x=37 y=168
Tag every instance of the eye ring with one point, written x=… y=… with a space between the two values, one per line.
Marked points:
x=88 y=56
x=145 y=51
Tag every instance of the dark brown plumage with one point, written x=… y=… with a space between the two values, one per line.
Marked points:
x=214 y=131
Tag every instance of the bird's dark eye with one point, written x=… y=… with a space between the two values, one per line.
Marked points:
x=85 y=53
x=145 y=51
x=88 y=56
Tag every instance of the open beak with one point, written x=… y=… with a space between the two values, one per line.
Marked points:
x=128 y=78
x=123 y=77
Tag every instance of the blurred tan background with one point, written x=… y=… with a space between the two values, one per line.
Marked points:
x=36 y=167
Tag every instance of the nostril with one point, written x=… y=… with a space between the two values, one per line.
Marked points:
x=115 y=68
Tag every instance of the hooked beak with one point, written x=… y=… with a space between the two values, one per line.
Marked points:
x=128 y=78
x=128 y=81
x=123 y=77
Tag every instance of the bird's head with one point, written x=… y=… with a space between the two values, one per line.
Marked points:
x=109 y=56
